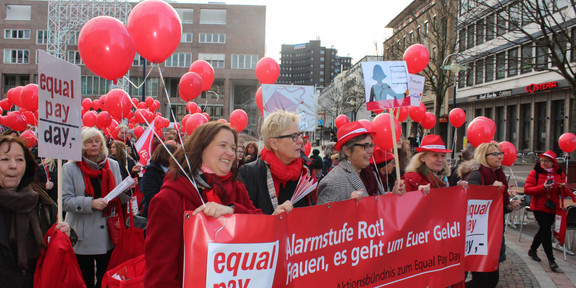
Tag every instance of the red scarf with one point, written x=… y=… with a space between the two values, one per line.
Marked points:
x=108 y=181
x=282 y=173
x=489 y=177
x=222 y=186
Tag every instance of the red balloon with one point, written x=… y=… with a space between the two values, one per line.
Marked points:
x=29 y=97
x=366 y=123
x=104 y=120
x=238 y=119
x=194 y=121
x=510 y=153
x=106 y=47
x=96 y=104
x=480 y=131
x=206 y=116
x=90 y=119
x=223 y=121
x=6 y=104
x=417 y=113
x=184 y=119
x=259 y=102
x=156 y=29
x=135 y=102
x=457 y=117
x=30 y=118
x=118 y=103
x=567 y=142
x=403 y=113
x=341 y=120
x=381 y=125
x=138 y=131
x=112 y=130
x=149 y=101
x=307 y=148
x=429 y=121
x=14 y=95
x=267 y=70
x=87 y=104
x=205 y=70
x=416 y=57
x=191 y=107
x=16 y=121
x=103 y=103
x=156 y=105
x=29 y=137
x=491 y=124
x=190 y=86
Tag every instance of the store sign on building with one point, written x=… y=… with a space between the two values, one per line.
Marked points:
x=503 y=93
x=544 y=86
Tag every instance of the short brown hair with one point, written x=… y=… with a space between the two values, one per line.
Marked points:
x=31 y=165
x=161 y=155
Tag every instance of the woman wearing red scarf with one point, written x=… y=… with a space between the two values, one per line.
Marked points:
x=211 y=153
x=489 y=156
x=271 y=180
x=86 y=183
x=427 y=169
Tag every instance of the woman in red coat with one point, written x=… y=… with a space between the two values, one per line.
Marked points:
x=545 y=184
x=211 y=152
x=427 y=169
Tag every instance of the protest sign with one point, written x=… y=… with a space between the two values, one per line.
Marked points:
x=292 y=98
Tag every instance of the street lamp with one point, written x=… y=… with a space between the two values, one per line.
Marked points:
x=455 y=67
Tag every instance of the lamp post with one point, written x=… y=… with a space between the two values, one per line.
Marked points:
x=456 y=68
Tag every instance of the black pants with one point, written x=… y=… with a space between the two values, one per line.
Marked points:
x=86 y=263
x=544 y=235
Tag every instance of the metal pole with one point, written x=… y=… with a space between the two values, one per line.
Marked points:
x=144 y=80
x=454 y=104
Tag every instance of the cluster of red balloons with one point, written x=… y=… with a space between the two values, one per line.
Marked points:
x=25 y=97
x=199 y=78
x=108 y=47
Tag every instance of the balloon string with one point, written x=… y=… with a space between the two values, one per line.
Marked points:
x=145 y=78
x=378 y=176
x=513 y=177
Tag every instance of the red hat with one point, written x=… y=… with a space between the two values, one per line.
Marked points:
x=380 y=156
x=349 y=131
x=432 y=143
x=550 y=154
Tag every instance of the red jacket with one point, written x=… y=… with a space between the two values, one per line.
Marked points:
x=535 y=188
x=412 y=180
x=165 y=233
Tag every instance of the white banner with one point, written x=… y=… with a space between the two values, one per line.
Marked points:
x=59 y=108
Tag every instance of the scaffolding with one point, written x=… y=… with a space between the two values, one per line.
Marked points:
x=66 y=18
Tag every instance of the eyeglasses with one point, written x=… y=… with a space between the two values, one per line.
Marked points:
x=546 y=161
x=294 y=136
x=495 y=154
x=367 y=146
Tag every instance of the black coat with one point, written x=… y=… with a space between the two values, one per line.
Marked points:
x=150 y=184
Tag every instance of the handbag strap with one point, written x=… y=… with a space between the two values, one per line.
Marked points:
x=130 y=213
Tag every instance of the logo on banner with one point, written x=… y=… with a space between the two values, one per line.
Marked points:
x=477 y=227
x=241 y=265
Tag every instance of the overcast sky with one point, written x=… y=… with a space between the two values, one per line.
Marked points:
x=352 y=27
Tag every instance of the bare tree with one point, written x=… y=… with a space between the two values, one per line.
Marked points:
x=354 y=92
x=344 y=96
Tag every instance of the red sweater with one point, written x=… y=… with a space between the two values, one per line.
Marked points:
x=165 y=233
x=536 y=189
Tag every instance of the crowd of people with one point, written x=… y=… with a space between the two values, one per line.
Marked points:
x=211 y=172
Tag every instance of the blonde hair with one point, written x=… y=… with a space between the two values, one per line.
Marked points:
x=275 y=123
x=91 y=133
x=482 y=149
x=416 y=162
x=50 y=163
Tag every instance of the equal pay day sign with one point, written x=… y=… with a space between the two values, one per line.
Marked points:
x=59 y=108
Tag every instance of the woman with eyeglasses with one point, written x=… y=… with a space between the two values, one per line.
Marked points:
x=490 y=173
x=272 y=179
x=546 y=183
x=239 y=156
x=427 y=169
x=344 y=181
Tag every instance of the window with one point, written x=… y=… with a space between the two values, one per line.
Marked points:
x=561 y=4
x=573 y=46
x=16 y=56
x=418 y=34
x=212 y=38
x=501 y=22
x=500 y=65
x=139 y=60
x=479 y=71
x=216 y=60
x=18 y=12
x=16 y=34
x=462 y=40
x=512 y=62
x=470 y=76
x=541 y=57
x=187 y=38
x=514 y=21
x=186 y=15
x=480 y=32
x=426 y=28
x=411 y=37
x=560 y=48
x=470 y=36
x=489 y=61
x=213 y=16
x=73 y=38
x=179 y=60
x=489 y=27
x=244 y=61
x=41 y=37
x=94 y=85
x=463 y=6
x=527 y=61
x=151 y=86
x=74 y=57
x=462 y=79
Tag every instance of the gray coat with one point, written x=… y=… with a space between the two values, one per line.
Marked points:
x=88 y=223
x=339 y=184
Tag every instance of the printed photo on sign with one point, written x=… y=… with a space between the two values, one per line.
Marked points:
x=241 y=265
x=292 y=98
x=386 y=84
x=477 y=227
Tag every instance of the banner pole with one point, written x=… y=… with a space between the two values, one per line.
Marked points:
x=395 y=151
x=59 y=190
